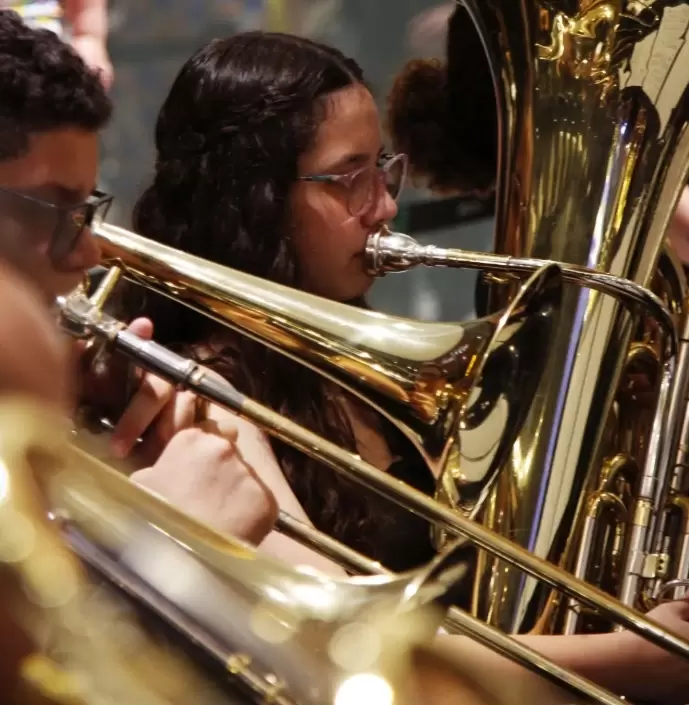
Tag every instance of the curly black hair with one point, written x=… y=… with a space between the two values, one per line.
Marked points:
x=444 y=114
x=44 y=86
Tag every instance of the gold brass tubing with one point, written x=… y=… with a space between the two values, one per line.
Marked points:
x=327 y=546
x=101 y=295
x=191 y=375
x=387 y=251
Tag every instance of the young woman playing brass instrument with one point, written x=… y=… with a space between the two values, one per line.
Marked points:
x=271 y=160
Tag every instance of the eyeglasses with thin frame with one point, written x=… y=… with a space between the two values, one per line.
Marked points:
x=363 y=185
x=60 y=226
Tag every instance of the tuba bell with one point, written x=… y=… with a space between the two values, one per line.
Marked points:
x=593 y=106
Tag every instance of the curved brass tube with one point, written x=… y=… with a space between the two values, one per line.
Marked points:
x=388 y=252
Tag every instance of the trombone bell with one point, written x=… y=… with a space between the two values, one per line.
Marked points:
x=459 y=392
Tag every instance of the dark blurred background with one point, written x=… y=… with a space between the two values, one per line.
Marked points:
x=149 y=41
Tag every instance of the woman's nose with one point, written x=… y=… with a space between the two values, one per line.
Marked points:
x=383 y=209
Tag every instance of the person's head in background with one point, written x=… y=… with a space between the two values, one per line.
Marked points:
x=270 y=159
x=444 y=116
x=52 y=108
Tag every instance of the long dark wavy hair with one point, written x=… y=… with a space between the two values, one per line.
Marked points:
x=228 y=138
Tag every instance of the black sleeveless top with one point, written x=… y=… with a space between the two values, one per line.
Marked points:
x=400 y=540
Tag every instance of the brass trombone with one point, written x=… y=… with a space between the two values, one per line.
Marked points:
x=289 y=320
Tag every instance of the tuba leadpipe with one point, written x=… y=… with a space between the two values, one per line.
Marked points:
x=84 y=318
x=387 y=252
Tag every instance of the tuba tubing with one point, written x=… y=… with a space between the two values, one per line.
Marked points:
x=388 y=252
x=85 y=319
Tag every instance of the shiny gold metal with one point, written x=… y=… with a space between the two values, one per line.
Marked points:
x=594 y=153
x=602 y=544
x=440 y=384
x=285 y=637
x=83 y=647
x=322 y=334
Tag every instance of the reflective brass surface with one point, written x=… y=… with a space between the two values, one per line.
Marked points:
x=593 y=106
x=284 y=636
x=443 y=385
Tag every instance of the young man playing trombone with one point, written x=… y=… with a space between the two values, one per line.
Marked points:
x=52 y=108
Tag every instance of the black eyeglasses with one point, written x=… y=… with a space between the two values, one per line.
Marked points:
x=362 y=184
x=58 y=226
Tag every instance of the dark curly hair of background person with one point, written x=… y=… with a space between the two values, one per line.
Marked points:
x=44 y=86
x=443 y=114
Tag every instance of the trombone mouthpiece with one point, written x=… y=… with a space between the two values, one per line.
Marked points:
x=392 y=252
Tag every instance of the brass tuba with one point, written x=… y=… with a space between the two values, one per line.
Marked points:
x=593 y=103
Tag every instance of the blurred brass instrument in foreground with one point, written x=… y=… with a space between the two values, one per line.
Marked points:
x=259 y=631
x=593 y=105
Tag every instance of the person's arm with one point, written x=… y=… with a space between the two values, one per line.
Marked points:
x=621 y=662
x=88 y=21
x=164 y=412
x=678 y=232
x=257 y=452
x=157 y=411
x=88 y=18
x=602 y=658
x=204 y=474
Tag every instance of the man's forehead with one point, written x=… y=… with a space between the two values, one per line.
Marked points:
x=61 y=166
